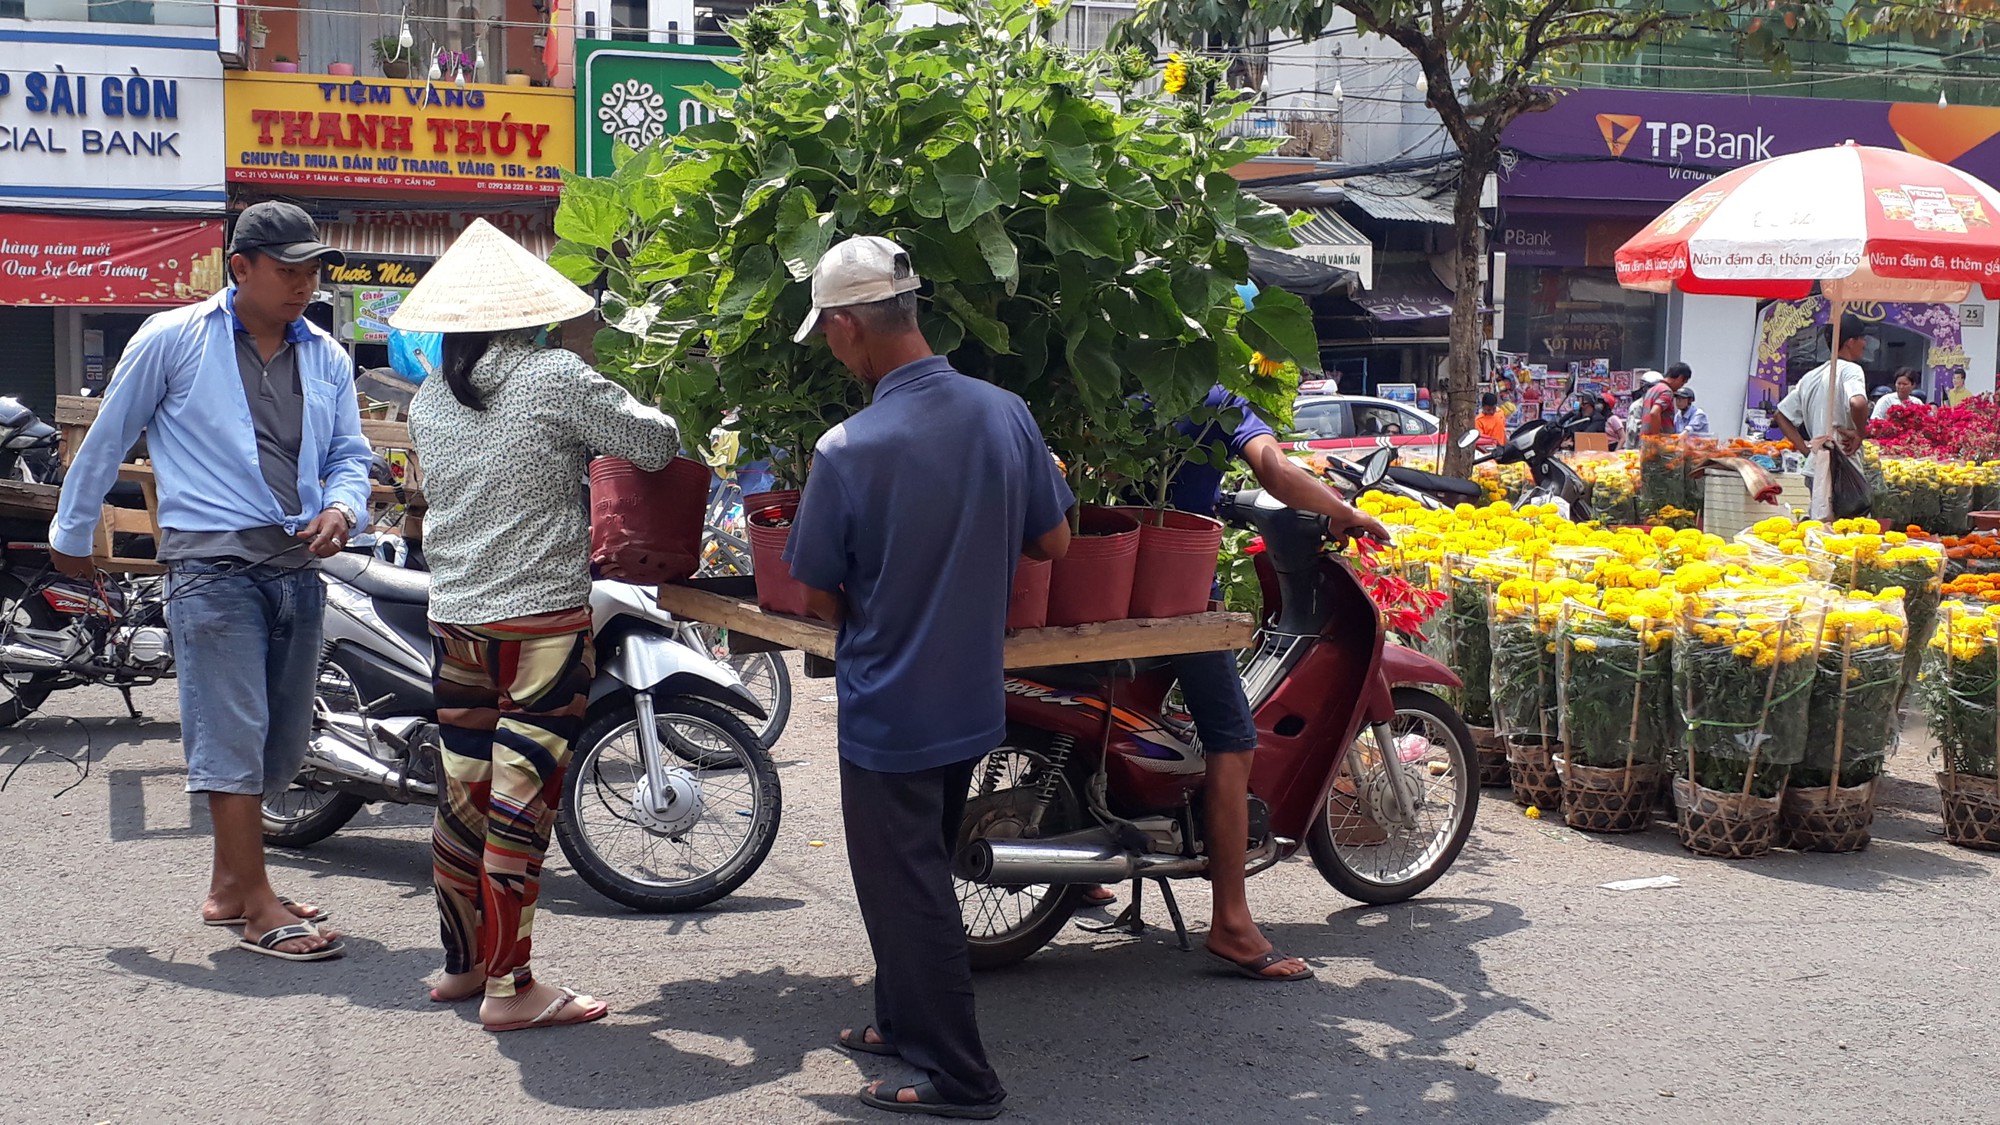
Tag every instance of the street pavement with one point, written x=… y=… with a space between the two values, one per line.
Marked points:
x=1798 y=988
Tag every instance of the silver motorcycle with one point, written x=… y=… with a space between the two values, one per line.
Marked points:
x=669 y=802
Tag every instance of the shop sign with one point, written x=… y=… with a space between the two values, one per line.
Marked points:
x=386 y=136
x=403 y=272
x=55 y=260
x=1780 y=322
x=633 y=94
x=1655 y=146
x=372 y=309
x=92 y=120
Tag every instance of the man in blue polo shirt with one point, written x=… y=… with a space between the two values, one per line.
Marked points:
x=909 y=544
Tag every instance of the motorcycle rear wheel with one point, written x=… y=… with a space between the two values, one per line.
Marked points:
x=22 y=694
x=731 y=777
x=1005 y=925
x=1378 y=863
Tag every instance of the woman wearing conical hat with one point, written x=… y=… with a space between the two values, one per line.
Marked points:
x=504 y=433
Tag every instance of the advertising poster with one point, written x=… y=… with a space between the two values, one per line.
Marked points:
x=372 y=310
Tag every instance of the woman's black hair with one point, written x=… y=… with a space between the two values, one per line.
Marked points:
x=461 y=351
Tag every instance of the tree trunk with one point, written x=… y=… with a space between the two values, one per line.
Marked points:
x=1462 y=372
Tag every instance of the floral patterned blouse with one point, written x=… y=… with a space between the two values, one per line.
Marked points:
x=507 y=533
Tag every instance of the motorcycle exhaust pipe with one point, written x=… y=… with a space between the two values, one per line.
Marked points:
x=330 y=755
x=1076 y=859
x=29 y=658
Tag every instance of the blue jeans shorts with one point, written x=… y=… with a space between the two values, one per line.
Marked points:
x=1212 y=688
x=246 y=652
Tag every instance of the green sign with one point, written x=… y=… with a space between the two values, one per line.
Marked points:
x=631 y=94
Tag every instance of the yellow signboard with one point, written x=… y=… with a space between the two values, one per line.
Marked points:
x=387 y=138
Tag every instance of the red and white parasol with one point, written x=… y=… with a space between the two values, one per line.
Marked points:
x=1862 y=223
x=1866 y=224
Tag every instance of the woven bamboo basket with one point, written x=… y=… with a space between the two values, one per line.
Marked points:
x=1531 y=769
x=1971 y=810
x=1829 y=819
x=1491 y=750
x=1725 y=825
x=1608 y=798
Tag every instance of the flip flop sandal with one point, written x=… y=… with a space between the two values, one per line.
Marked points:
x=269 y=943
x=929 y=1101
x=282 y=901
x=859 y=1042
x=1254 y=968
x=592 y=1009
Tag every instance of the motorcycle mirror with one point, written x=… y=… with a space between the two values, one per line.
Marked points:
x=1468 y=439
x=1377 y=466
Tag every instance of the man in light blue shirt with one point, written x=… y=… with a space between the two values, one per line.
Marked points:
x=1689 y=418
x=253 y=426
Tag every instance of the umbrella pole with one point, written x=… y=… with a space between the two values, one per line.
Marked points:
x=1836 y=399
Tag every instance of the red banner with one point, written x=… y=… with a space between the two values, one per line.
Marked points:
x=54 y=260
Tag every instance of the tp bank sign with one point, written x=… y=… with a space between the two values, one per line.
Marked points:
x=1682 y=140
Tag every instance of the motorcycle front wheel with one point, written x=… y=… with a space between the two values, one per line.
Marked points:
x=685 y=848
x=1361 y=842
x=310 y=810
x=23 y=693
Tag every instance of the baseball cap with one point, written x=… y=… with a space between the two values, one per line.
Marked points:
x=284 y=231
x=860 y=271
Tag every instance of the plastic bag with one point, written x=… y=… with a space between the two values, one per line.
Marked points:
x=416 y=355
x=1744 y=662
x=1614 y=688
x=1961 y=687
x=1851 y=724
x=1522 y=621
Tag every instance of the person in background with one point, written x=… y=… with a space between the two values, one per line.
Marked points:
x=1801 y=416
x=1614 y=422
x=1689 y=418
x=1958 y=392
x=505 y=437
x=1904 y=394
x=1491 y=425
x=909 y=545
x=254 y=429
x=1589 y=421
x=1656 y=409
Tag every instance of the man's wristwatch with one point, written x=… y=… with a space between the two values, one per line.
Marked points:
x=346 y=513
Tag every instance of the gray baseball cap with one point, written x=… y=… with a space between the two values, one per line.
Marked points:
x=284 y=231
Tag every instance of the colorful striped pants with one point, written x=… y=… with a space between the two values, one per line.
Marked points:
x=510 y=697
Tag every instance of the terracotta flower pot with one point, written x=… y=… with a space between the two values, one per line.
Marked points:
x=284 y=68
x=518 y=80
x=769 y=516
x=1093 y=582
x=395 y=68
x=1175 y=573
x=1028 y=605
x=340 y=70
x=646 y=527
x=1986 y=521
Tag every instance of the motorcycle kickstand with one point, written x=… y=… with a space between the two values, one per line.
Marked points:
x=130 y=707
x=1132 y=921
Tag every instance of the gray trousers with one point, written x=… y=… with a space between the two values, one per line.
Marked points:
x=901 y=831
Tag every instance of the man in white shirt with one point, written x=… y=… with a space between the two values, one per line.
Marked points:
x=1802 y=415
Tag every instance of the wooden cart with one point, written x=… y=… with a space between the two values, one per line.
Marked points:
x=75 y=414
x=731 y=603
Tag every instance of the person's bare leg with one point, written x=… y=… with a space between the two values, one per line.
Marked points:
x=1231 y=930
x=239 y=871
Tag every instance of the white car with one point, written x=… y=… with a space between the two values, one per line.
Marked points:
x=1356 y=422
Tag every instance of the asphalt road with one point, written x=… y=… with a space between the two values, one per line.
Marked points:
x=1792 y=989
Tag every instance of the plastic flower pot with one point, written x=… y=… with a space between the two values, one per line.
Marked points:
x=1028 y=604
x=645 y=527
x=1175 y=573
x=1093 y=582
x=769 y=516
x=340 y=70
x=1986 y=521
x=284 y=68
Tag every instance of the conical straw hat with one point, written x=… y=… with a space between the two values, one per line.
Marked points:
x=487 y=282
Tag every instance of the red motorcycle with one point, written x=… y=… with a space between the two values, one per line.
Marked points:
x=1099 y=781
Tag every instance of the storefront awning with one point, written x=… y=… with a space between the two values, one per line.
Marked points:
x=1406 y=293
x=1397 y=199
x=1307 y=277
x=427 y=234
x=1332 y=240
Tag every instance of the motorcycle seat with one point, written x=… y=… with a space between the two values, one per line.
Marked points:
x=1432 y=482
x=379 y=579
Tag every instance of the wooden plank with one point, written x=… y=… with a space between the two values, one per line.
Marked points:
x=77 y=410
x=1029 y=648
x=21 y=500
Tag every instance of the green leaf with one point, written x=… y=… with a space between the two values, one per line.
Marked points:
x=976 y=320
x=1093 y=365
x=1153 y=293
x=1177 y=375
x=969 y=191
x=776 y=173
x=590 y=213
x=575 y=261
x=1070 y=152
x=1084 y=222
x=1264 y=224
x=926 y=197
x=754 y=268
x=1002 y=256
x=1281 y=326
x=1129 y=185
x=803 y=233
